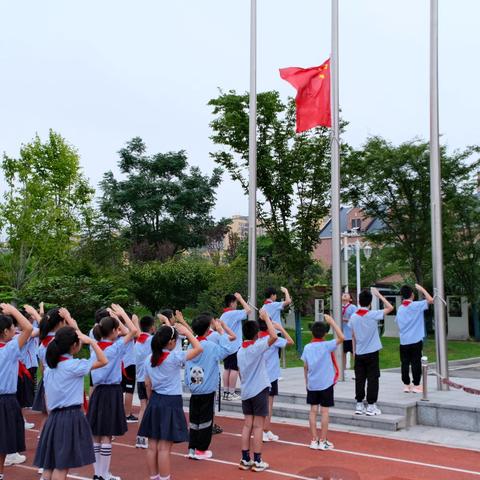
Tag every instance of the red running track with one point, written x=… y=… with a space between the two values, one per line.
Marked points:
x=356 y=457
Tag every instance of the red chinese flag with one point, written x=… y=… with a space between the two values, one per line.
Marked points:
x=313 y=95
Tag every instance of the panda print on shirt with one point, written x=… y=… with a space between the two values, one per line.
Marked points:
x=196 y=375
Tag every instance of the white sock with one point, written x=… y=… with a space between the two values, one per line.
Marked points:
x=105 y=458
x=164 y=478
x=96 y=465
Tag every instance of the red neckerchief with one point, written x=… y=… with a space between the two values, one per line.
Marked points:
x=143 y=337
x=22 y=369
x=85 y=399
x=334 y=360
x=247 y=343
x=263 y=334
x=362 y=312
x=163 y=356
x=267 y=301
x=46 y=341
x=344 y=308
x=228 y=309
x=406 y=303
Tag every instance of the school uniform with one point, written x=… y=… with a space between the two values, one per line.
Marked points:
x=347 y=311
x=411 y=325
x=322 y=371
x=143 y=348
x=201 y=377
x=274 y=310
x=66 y=439
x=129 y=370
x=255 y=384
x=12 y=426
x=364 y=325
x=25 y=384
x=233 y=319
x=272 y=362
x=106 y=412
x=39 y=403
x=164 y=418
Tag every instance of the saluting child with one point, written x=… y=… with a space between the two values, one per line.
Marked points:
x=143 y=348
x=66 y=439
x=255 y=386
x=348 y=309
x=201 y=377
x=274 y=307
x=321 y=374
x=272 y=361
x=106 y=412
x=164 y=420
x=367 y=346
x=129 y=375
x=12 y=428
x=233 y=318
x=411 y=325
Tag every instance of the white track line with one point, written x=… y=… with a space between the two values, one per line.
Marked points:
x=75 y=477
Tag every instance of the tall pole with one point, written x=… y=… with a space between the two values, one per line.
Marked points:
x=252 y=163
x=345 y=260
x=335 y=161
x=436 y=203
x=357 y=253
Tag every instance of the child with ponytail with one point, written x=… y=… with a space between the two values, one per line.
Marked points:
x=59 y=449
x=12 y=428
x=164 y=420
x=106 y=412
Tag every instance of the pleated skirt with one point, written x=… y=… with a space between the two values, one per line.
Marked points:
x=12 y=426
x=39 y=403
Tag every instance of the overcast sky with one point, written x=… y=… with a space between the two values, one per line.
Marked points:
x=100 y=72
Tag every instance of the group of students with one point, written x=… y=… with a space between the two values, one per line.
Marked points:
x=118 y=341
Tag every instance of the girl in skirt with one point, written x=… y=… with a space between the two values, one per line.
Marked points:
x=12 y=428
x=66 y=439
x=164 y=420
x=106 y=413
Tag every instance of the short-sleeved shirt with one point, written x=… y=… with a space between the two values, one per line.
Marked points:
x=253 y=368
x=410 y=321
x=143 y=348
x=320 y=370
x=233 y=319
x=273 y=309
x=129 y=356
x=42 y=347
x=165 y=377
x=202 y=372
x=347 y=312
x=10 y=354
x=272 y=360
x=64 y=385
x=111 y=374
x=364 y=325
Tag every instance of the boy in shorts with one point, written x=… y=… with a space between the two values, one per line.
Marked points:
x=321 y=373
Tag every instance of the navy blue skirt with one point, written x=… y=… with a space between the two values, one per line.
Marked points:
x=106 y=412
x=12 y=426
x=25 y=391
x=164 y=419
x=39 y=403
x=66 y=440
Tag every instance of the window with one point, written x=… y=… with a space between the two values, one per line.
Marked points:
x=357 y=223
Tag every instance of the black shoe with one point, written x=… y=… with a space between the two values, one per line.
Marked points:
x=217 y=429
x=132 y=419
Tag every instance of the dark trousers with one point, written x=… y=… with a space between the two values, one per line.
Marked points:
x=367 y=369
x=201 y=420
x=411 y=354
x=33 y=373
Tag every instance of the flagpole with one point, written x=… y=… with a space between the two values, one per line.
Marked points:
x=252 y=164
x=335 y=181
x=436 y=205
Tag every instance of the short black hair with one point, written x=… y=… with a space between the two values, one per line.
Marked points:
x=262 y=325
x=101 y=313
x=168 y=312
x=406 y=292
x=269 y=291
x=229 y=298
x=250 y=329
x=201 y=324
x=319 y=329
x=146 y=323
x=365 y=298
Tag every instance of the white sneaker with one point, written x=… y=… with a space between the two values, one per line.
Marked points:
x=260 y=466
x=112 y=477
x=406 y=388
x=360 y=408
x=199 y=455
x=191 y=453
x=325 y=445
x=373 y=410
x=40 y=471
x=142 y=442
x=29 y=426
x=14 y=459
x=244 y=465
x=314 y=445
x=234 y=396
x=272 y=437
x=228 y=397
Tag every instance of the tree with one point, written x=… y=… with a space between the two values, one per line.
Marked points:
x=216 y=238
x=392 y=184
x=293 y=174
x=46 y=199
x=161 y=207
